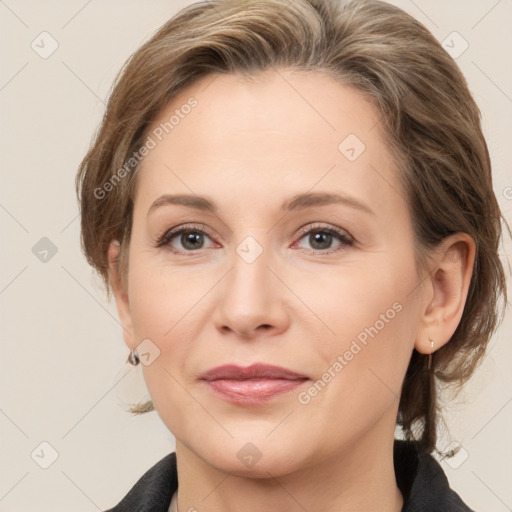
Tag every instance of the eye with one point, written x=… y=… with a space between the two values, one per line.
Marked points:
x=321 y=238
x=184 y=239
x=189 y=238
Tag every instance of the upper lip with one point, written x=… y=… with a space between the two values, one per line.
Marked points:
x=254 y=371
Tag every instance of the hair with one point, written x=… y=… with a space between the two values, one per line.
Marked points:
x=428 y=116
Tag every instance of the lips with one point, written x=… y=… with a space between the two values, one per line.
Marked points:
x=253 y=384
x=255 y=371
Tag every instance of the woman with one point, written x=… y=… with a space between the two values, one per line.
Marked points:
x=292 y=204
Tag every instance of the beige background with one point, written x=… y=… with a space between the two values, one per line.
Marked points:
x=62 y=354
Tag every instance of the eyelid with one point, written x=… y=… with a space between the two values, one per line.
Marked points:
x=164 y=239
x=342 y=233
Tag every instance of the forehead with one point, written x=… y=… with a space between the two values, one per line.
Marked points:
x=276 y=134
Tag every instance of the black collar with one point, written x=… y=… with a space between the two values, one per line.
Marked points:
x=422 y=482
x=420 y=478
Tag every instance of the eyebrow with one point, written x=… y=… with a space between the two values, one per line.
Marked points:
x=297 y=202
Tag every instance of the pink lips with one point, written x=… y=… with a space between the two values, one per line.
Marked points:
x=252 y=384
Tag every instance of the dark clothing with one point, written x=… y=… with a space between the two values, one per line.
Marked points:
x=421 y=480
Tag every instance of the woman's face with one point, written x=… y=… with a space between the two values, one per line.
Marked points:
x=297 y=253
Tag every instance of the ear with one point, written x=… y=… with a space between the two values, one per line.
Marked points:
x=120 y=294
x=448 y=284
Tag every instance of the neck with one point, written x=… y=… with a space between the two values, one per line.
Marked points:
x=361 y=478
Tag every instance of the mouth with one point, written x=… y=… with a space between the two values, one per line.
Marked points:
x=255 y=384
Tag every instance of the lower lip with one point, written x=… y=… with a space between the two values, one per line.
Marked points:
x=252 y=391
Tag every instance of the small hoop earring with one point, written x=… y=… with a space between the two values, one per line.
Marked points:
x=133 y=358
x=430 y=355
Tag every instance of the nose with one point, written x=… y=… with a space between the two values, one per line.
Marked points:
x=252 y=301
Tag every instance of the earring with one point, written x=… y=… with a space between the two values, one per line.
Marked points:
x=430 y=355
x=133 y=358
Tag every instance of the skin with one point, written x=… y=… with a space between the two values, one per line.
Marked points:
x=250 y=145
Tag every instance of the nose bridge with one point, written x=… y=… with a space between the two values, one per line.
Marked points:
x=249 y=284
x=251 y=296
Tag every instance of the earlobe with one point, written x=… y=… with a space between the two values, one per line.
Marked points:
x=449 y=282
x=120 y=293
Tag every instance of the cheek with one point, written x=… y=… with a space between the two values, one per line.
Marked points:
x=162 y=310
x=167 y=306
x=360 y=368
x=372 y=317
x=360 y=302
x=162 y=298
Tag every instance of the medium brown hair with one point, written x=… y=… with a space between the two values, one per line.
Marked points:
x=428 y=115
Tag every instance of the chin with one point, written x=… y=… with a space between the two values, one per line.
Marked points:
x=260 y=458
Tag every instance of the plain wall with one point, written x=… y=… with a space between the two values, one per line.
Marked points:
x=62 y=354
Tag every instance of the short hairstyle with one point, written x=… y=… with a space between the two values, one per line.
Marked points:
x=428 y=117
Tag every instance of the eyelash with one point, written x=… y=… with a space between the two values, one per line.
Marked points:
x=345 y=240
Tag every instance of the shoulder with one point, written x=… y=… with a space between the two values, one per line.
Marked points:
x=153 y=490
x=422 y=482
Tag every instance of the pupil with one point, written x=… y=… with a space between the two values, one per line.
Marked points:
x=323 y=239
x=192 y=239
